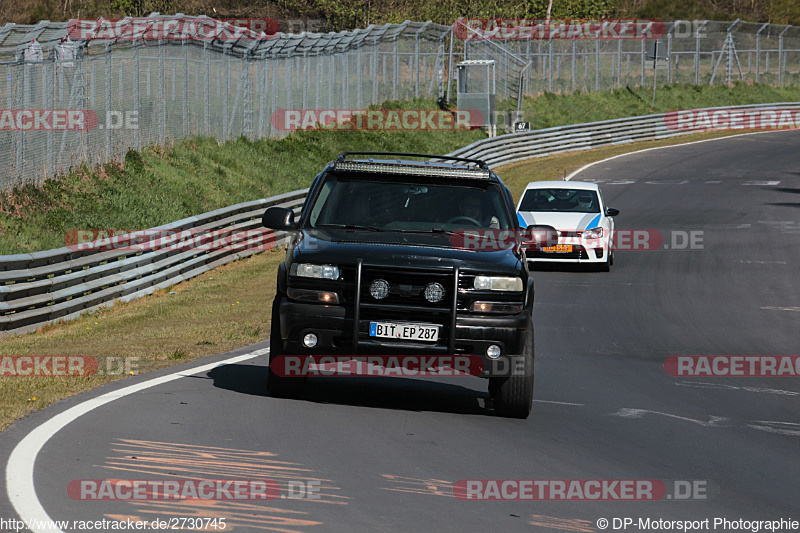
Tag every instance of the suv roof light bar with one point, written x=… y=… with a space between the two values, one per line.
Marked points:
x=480 y=163
x=384 y=167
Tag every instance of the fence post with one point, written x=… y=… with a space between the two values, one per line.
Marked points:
x=49 y=103
x=644 y=63
x=359 y=77
x=781 y=60
x=619 y=63
x=226 y=91
x=697 y=53
x=108 y=85
x=396 y=68
x=597 y=64
x=185 y=47
x=550 y=62
x=758 y=50
x=374 y=71
x=137 y=101
x=162 y=89
x=574 y=59
x=207 y=91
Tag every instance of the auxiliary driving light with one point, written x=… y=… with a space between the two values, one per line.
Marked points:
x=434 y=292
x=379 y=289
x=310 y=340
x=493 y=351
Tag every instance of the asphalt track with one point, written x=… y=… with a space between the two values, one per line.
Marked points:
x=387 y=451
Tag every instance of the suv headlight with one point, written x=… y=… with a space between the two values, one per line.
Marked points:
x=496 y=283
x=594 y=233
x=308 y=270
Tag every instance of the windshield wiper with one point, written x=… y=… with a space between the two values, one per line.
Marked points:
x=432 y=230
x=348 y=227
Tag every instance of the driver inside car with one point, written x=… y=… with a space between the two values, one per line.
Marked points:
x=471 y=207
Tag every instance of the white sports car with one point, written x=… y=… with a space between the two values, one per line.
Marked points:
x=576 y=209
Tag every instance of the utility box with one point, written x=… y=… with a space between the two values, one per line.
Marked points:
x=476 y=90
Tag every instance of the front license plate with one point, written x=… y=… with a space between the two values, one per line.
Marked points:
x=558 y=248
x=412 y=332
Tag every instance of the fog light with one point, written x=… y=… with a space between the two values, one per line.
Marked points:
x=434 y=292
x=493 y=351
x=310 y=340
x=379 y=289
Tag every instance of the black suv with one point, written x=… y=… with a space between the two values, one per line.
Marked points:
x=380 y=245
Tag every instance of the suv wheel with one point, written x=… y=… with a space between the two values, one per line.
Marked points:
x=513 y=396
x=280 y=386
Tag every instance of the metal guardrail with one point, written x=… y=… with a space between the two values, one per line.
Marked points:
x=44 y=287
x=514 y=147
x=61 y=284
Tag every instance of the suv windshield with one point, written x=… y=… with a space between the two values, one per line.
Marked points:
x=568 y=200
x=403 y=203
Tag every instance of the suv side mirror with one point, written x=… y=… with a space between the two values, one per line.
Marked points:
x=279 y=218
x=539 y=235
x=611 y=212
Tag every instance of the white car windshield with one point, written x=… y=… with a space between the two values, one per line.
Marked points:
x=560 y=200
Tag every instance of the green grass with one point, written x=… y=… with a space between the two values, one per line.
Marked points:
x=551 y=109
x=160 y=185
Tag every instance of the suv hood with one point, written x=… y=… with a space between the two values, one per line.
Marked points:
x=398 y=249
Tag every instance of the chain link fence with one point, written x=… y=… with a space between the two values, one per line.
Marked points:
x=129 y=93
x=120 y=93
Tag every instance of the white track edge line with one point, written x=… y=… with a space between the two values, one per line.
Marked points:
x=19 y=469
x=589 y=165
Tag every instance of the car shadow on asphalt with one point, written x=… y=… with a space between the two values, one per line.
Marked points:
x=407 y=394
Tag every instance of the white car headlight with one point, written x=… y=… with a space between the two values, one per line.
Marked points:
x=308 y=270
x=594 y=233
x=496 y=283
